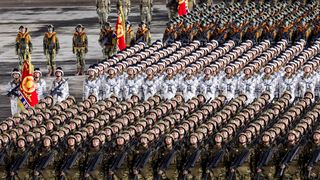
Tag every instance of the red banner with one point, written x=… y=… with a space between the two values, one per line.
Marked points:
x=182 y=8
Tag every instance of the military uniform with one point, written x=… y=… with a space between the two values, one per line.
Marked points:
x=229 y=87
x=48 y=171
x=13 y=88
x=23 y=46
x=145 y=172
x=172 y=171
x=149 y=88
x=311 y=169
x=41 y=88
x=172 y=6
x=307 y=84
x=91 y=87
x=24 y=171
x=146 y=8
x=103 y=10
x=59 y=89
x=143 y=34
x=112 y=87
x=75 y=171
x=189 y=88
x=289 y=85
x=80 y=48
x=293 y=169
x=98 y=173
x=220 y=171
x=270 y=85
x=244 y=170
x=130 y=39
x=126 y=7
x=123 y=172
x=268 y=171
x=169 y=88
x=51 y=48
x=194 y=172
x=108 y=41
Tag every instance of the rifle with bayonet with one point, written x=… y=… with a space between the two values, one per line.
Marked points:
x=238 y=162
x=42 y=163
x=56 y=91
x=142 y=161
x=70 y=160
x=19 y=161
x=166 y=161
x=12 y=92
x=118 y=160
x=191 y=162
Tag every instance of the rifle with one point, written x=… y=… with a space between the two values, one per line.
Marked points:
x=239 y=161
x=288 y=158
x=191 y=161
x=55 y=90
x=18 y=163
x=118 y=161
x=69 y=162
x=165 y=163
x=92 y=165
x=142 y=161
x=263 y=160
x=12 y=92
x=215 y=160
x=42 y=163
x=315 y=157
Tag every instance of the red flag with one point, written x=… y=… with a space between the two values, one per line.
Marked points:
x=182 y=7
x=27 y=95
x=120 y=31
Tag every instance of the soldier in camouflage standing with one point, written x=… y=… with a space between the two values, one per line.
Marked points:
x=80 y=48
x=108 y=40
x=146 y=8
x=103 y=10
x=50 y=49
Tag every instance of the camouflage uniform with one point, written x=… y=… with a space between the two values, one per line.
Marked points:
x=146 y=10
x=103 y=10
x=23 y=47
x=80 y=48
x=51 y=48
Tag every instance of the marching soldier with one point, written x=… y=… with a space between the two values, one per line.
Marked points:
x=191 y=166
x=265 y=169
x=143 y=34
x=269 y=83
x=209 y=84
x=60 y=88
x=189 y=85
x=169 y=35
x=91 y=85
x=51 y=48
x=307 y=82
x=139 y=153
x=132 y=84
x=113 y=84
x=289 y=83
x=103 y=10
x=247 y=85
x=286 y=31
x=172 y=6
x=130 y=39
x=80 y=48
x=93 y=168
x=146 y=8
x=108 y=40
x=219 y=169
x=126 y=7
x=71 y=170
x=21 y=161
x=13 y=90
x=241 y=171
x=124 y=150
x=229 y=85
x=150 y=85
x=169 y=85
x=41 y=83
x=311 y=154
x=292 y=169
x=46 y=160
x=167 y=159
x=23 y=45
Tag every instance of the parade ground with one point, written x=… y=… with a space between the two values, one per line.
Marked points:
x=64 y=16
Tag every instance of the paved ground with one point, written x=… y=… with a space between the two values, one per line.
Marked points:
x=64 y=18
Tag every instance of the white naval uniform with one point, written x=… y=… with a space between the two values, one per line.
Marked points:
x=63 y=91
x=131 y=88
x=289 y=85
x=169 y=88
x=112 y=87
x=102 y=92
x=209 y=88
x=307 y=84
x=189 y=88
x=13 y=98
x=150 y=88
x=228 y=86
x=248 y=87
x=91 y=87
x=41 y=88
x=270 y=85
